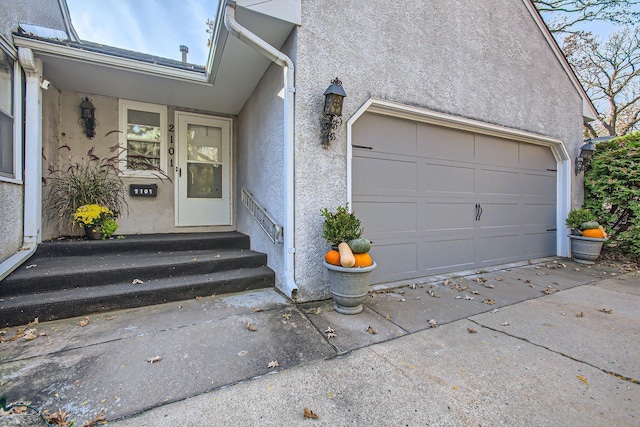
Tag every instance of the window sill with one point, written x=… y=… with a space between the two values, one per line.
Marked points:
x=11 y=180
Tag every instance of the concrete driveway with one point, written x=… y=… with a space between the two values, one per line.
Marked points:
x=547 y=343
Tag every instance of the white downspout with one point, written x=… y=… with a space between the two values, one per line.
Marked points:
x=285 y=62
x=32 y=198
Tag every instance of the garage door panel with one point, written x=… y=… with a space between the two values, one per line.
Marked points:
x=539 y=245
x=537 y=157
x=500 y=214
x=498 y=249
x=447 y=255
x=385 y=134
x=497 y=182
x=451 y=180
x=496 y=151
x=400 y=260
x=446 y=216
x=541 y=214
x=541 y=186
x=379 y=218
x=368 y=179
x=442 y=143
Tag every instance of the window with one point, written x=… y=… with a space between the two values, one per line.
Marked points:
x=143 y=137
x=7 y=147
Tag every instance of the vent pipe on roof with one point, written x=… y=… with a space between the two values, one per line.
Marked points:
x=184 y=49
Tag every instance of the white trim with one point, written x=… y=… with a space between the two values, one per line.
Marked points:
x=123 y=106
x=136 y=66
x=16 y=176
x=563 y=176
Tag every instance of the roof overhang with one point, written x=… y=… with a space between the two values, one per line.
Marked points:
x=233 y=70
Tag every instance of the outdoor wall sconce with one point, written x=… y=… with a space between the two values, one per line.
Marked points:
x=87 y=118
x=333 y=97
x=586 y=152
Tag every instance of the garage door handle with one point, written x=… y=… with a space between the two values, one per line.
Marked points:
x=480 y=216
x=477 y=211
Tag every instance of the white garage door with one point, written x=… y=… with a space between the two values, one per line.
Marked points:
x=434 y=199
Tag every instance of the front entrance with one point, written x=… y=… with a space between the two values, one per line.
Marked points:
x=203 y=170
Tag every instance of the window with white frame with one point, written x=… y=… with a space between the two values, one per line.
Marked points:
x=7 y=146
x=143 y=136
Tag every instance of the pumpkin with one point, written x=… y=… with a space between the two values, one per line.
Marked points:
x=346 y=255
x=360 y=246
x=603 y=231
x=593 y=232
x=589 y=225
x=363 y=260
x=332 y=257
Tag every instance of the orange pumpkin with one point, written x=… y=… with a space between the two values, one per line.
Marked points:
x=332 y=257
x=593 y=233
x=363 y=260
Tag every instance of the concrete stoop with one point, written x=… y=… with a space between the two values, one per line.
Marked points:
x=70 y=278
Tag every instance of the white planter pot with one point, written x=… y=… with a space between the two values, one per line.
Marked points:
x=585 y=250
x=349 y=287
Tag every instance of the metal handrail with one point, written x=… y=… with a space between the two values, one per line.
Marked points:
x=268 y=224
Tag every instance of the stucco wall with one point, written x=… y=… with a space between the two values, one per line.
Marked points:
x=11 y=223
x=147 y=215
x=260 y=154
x=45 y=13
x=489 y=63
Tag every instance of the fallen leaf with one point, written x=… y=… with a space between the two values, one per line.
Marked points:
x=402 y=300
x=58 y=418
x=251 y=327
x=273 y=364
x=286 y=316
x=371 y=330
x=472 y=331
x=489 y=286
x=468 y=298
x=499 y=279
x=329 y=330
x=432 y=294
x=30 y=334
x=475 y=292
x=583 y=379
x=433 y=323
x=154 y=359
x=98 y=419
x=604 y=310
x=489 y=301
x=494 y=311
x=137 y=282
x=308 y=413
x=581 y=314
x=256 y=309
x=217 y=256
x=31 y=266
x=110 y=318
x=331 y=335
x=388 y=317
x=199 y=298
x=549 y=290
x=84 y=322
x=412 y=286
x=481 y=280
x=505 y=324
x=458 y=297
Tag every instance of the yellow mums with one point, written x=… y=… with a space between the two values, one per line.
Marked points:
x=91 y=215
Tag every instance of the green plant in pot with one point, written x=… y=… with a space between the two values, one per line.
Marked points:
x=348 y=262
x=97 y=220
x=587 y=235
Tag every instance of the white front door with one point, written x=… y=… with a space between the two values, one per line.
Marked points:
x=203 y=170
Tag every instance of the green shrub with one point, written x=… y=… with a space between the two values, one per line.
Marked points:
x=577 y=217
x=612 y=192
x=340 y=226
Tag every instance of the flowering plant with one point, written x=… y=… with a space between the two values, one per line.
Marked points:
x=98 y=217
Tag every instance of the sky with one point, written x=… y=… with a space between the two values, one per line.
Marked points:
x=156 y=27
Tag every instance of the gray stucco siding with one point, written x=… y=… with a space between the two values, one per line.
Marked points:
x=11 y=225
x=488 y=63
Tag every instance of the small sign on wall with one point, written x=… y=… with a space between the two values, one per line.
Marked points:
x=143 y=190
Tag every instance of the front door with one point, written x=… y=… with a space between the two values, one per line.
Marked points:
x=203 y=170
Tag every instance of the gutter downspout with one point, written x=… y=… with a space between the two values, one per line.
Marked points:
x=32 y=198
x=286 y=63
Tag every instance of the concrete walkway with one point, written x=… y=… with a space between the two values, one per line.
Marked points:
x=548 y=343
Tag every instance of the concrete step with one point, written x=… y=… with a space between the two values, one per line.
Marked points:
x=80 y=301
x=69 y=278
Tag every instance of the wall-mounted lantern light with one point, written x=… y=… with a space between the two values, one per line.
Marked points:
x=87 y=118
x=333 y=97
x=586 y=152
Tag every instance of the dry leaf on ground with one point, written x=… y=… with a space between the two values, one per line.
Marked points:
x=371 y=330
x=251 y=327
x=98 y=419
x=58 y=418
x=30 y=334
x=549 y=290
x=581 y=314
x=273 y=364
x=256 y=309
x=84 y=322
x=583 y=379
x=505 y=323
x=472 y=331
x=308 y=413
x=433 y=323
x=286 y=316
x=604 y=310
x=154 y=359
x=489 y=301
x=137 y=282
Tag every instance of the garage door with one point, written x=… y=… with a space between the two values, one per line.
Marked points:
x=435 y=199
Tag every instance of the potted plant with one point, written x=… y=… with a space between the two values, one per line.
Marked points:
x=98 y=221
x=587 y=235
x=348 y=261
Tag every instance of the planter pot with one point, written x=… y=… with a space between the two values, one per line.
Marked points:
x=93 y=233
x=585 y=250
x=349 y=287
